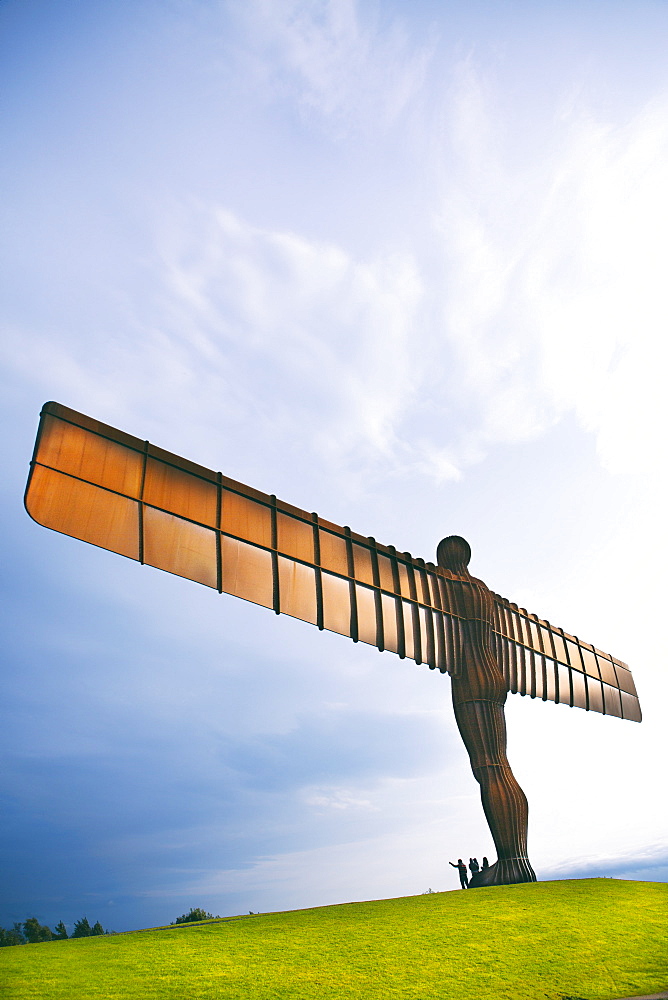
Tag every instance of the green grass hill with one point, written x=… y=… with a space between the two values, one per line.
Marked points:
x=595 y=939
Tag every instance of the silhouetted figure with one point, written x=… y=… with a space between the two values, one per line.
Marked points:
x=474 y=867
x=485 y=864
x=463 y=875
x=478 y=696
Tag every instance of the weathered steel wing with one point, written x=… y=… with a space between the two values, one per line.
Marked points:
x=108 y=488
x=543 y=661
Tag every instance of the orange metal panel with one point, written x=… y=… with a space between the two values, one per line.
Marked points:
x=595 y=694
x=90 y=424
x=68 y=448
x=336 y=604
x=605 y=664
x=390 y=639
x=295 y=538
x=183 y=464
x=297 y=590
x=630 y=707
x=180 y=493
x=180 y=547
x=579 y=689
x=624 y=678
x=386 y=574
x=404 y=579
x=612 y=700
x=84 y=511
x=363 y=566
x=247 y=572
x=333 y=553
x=406 y=610
x=246 y=519
x=589 y=660
x=366 y=614
x=563 y=684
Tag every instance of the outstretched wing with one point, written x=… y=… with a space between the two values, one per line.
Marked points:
x=545 y=662
x=108 y=488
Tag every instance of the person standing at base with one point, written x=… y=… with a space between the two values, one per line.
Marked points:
x=478 y=695
x=463 y=876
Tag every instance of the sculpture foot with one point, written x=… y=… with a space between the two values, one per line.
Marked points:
x=507 y=871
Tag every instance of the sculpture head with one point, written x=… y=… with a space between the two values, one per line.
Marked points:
x=454 y=553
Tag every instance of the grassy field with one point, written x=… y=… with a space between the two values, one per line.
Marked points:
x=591 y=938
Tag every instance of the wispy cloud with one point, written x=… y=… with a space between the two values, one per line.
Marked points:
x=291 y=327
x=549 y=303
x=344 y=66
x=645 y=859
x=324 y=799
x=556 y=301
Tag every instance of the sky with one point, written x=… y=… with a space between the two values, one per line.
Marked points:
x=400 y=264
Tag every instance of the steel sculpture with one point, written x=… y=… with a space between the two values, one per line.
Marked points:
x=113 y=490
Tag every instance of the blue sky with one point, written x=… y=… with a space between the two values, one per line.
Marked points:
x=403 y=265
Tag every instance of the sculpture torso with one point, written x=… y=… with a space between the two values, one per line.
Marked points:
x=479 y=677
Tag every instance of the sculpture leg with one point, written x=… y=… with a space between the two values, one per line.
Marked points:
x=482 y=725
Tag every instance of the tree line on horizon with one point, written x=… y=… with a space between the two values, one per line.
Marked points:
x=32 y=932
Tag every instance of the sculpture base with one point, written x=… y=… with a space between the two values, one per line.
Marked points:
x=509 y=871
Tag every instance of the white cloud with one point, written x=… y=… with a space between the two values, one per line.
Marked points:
x=293 y=329
x=321 y=52
x=557 y=301
x=324 y=799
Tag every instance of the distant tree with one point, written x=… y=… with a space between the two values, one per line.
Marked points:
x=196 y=913
x=81 y=928
x=34 y=932
x=97 y=928
x=60 y=933
x=11 y=937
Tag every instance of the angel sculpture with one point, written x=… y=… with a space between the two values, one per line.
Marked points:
x=116 y=491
